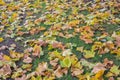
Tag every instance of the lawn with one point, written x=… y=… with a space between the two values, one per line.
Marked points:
x=59 y=40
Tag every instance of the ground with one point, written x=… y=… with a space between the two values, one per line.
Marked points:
x=60 y=40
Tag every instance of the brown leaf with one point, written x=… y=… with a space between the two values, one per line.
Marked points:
x=107 y=63
x=33 y=31
x=117 y=42
x=76 y=71
x=21 y=78
x=58 y=45
x=27 y=60
x=36 y=50
x=41 y=68
x=5 y=70
x=54 y=62
x=98 y=67
x=111 y=78
x=41 y=42
x=58 y=72
x=110 y=45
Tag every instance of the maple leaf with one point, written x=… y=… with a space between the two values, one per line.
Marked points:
x=89 y=53
x=66 y=62
x=115 y=70
x=98 y=67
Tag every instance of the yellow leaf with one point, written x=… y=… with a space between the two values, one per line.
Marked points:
x=4 y=16
x=99 y=74
x=2 y=2
x=73 y=23
x=14 y=15
x=5 y=57
x=25 y=1
x=33 y=78
x=1 y=39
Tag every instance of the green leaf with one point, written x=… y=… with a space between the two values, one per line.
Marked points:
x=89 y=53
x=66 y=62
x=115 y=70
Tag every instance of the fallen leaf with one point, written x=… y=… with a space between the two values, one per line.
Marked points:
x=1 y=39
x=27 y=60
x=21 y=78
x=115 y=69
x=5 y=70
x=99 y=74
x=54 y=62
x=108 y=63
x=67 y=52
x=98 y=67
x=66 y=62
x=89 y=53
x=6 y=58
x=76 y=71
x=36 y=50
x=41 y=68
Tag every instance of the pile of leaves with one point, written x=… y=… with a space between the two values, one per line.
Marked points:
x=59 y=40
